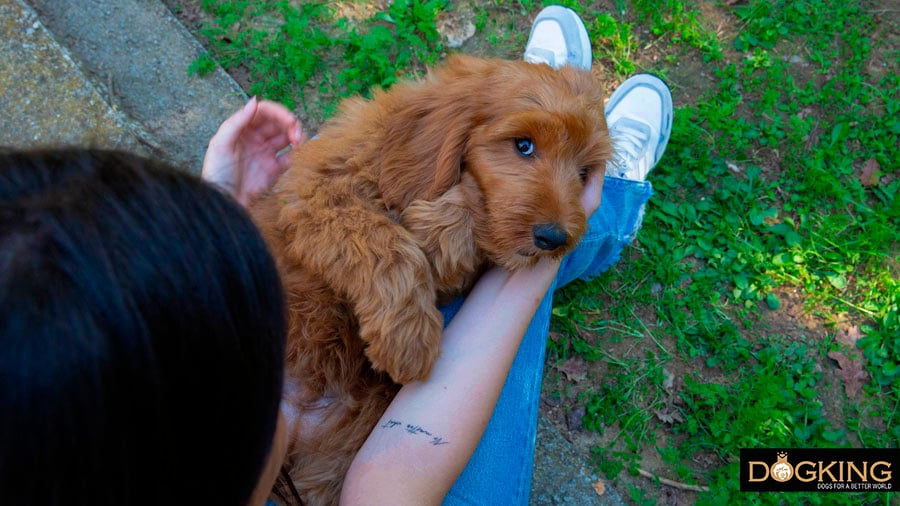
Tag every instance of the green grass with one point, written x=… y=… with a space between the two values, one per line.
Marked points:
x=761 y=206
x=761 y=194
x=294 y=49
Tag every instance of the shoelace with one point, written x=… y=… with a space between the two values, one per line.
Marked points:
x=630 y=140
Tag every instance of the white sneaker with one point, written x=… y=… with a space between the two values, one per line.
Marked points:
x=558 y=37
x=639 y=116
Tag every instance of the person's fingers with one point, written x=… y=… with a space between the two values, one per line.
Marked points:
x=284 y=162
x=264 y=151
x=260 y=134
x=276 y=113
x=231 y=128
x=243 y=154
x=271 y=117
x=279 y=160
x=298 y=136
x=281 y=141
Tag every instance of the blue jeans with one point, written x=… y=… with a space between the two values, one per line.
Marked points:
x=500 y=471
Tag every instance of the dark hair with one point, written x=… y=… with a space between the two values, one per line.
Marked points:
x=142 y=335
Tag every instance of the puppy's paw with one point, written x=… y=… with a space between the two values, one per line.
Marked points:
x=409 y=340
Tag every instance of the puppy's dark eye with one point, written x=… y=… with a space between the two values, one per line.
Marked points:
x=524 y=146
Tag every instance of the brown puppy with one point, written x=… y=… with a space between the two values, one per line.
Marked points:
x=400 y=203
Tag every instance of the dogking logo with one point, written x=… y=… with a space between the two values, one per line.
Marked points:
x=831 y=469
x=781 y=470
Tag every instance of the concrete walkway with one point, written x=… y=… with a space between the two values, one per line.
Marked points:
x=107 y=73
x=114 y=74
x=44 y=97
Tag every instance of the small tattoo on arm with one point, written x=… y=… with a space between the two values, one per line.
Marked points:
x=415 y=430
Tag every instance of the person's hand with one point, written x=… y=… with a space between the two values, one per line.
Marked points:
x=247 y=154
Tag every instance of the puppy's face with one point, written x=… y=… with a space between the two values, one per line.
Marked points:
x=541 y=136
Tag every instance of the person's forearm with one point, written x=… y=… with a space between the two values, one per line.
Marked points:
x=432 y=428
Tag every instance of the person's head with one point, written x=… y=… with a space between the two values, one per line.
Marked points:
x=141 y=335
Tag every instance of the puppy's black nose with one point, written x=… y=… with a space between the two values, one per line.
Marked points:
x=548 y=236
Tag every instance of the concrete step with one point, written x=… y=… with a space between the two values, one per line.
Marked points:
x=119 y=61
x=44 y=96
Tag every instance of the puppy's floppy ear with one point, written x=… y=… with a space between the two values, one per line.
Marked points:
x=426 y=138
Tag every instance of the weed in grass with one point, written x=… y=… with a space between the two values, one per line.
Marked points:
x=680 y=21
x=280 y=45
x=406 y=39
x=614 y=43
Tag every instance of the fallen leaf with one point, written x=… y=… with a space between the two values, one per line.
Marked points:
x=668 y=415
x=599 y=487
x=851 y=372
x=869 y=176
x=849 y=337
x=574 y=369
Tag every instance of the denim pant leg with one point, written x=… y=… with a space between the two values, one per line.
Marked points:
x=499 y=473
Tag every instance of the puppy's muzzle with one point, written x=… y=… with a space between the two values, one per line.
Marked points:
x=549 y=237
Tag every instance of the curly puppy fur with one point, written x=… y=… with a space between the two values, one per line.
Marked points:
x=401 y=202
